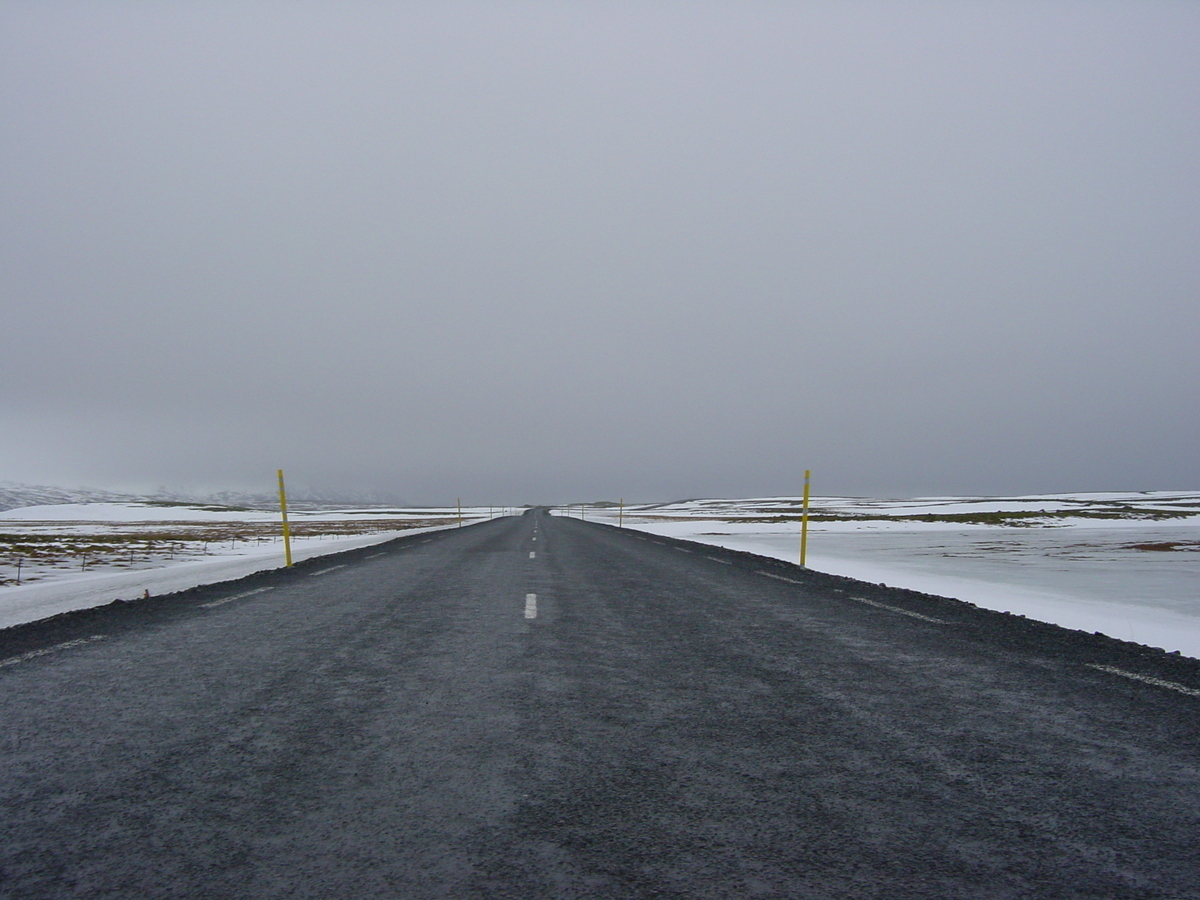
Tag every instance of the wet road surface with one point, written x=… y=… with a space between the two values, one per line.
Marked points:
x=542 y=707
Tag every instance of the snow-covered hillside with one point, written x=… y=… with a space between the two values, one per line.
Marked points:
x=14 y=495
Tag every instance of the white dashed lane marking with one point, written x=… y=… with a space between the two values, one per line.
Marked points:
x=34 y=654
x=225 y=600
x=896 y=609
x=1147 y=679
x=374 y=555
x=874 y=603
x=531 y=606
x=330 y=569
x=780 y=578
x=723 y=562
x=532 y=554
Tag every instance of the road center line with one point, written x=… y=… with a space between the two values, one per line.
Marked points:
x=681 y=549
x=224 y=600
x=374 y=555
x=531 y=606
x=896 y=609
x=723 y=562
x=34 y=654
x=323 y=571
x=1148 y=679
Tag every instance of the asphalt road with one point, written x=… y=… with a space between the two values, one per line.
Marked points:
x=542 y=707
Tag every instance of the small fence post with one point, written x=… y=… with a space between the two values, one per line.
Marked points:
x=804 y=522
x=287 y=533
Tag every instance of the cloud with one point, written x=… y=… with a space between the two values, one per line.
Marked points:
x=658 y=249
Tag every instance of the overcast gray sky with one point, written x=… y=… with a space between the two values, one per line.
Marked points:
x=533 y=252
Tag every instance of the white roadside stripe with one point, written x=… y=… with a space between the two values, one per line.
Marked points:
x=1148 y=679
x=531 y=606
x=34 y=654
x=235 y=597
x=780 y=577
x=323 y=571
x=896 y=609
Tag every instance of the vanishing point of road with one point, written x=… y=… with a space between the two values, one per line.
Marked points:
x=538 y=707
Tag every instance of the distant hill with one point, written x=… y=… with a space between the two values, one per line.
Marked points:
x=14 y=495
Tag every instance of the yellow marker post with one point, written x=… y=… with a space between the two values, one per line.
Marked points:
x=287 y=532
x=621 y=515
x=460 y=512
x=804 y=522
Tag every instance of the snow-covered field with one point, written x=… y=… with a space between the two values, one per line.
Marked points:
x=1124 y=564
x=73 y=556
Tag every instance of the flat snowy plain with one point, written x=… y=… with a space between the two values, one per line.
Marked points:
x=1124 y=564
x=79 y=555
